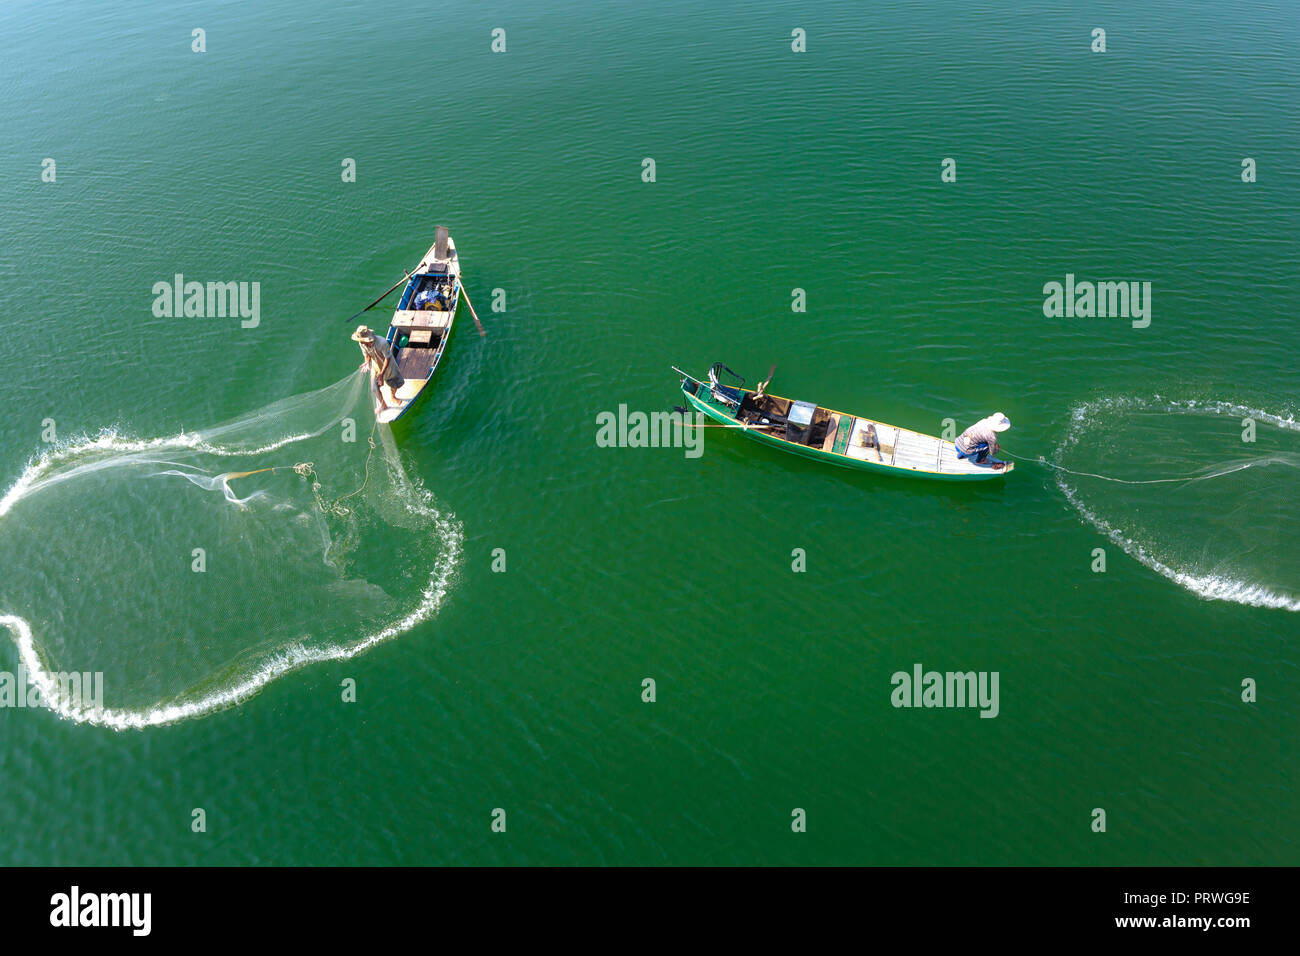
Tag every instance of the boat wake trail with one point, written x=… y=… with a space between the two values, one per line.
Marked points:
x=193 y=570
x=1226 y=541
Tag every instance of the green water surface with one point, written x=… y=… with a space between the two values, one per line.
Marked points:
x=774 y=171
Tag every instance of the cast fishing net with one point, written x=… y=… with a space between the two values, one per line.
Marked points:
x=192 y=570
x=1202 y=493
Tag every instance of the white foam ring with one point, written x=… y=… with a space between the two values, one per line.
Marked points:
x=291 y=658
x=1207 y=586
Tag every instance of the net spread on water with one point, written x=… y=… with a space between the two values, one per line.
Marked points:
x=192 y=570
x=1228 y=539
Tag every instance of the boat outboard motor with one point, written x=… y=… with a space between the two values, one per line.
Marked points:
x=725 y=394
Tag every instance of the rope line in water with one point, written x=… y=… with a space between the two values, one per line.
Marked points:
x=335 y=507
x=307 y=469
x=1129 y=481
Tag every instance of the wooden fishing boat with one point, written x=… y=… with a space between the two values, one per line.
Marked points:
x=421 y=326
x=824 y=434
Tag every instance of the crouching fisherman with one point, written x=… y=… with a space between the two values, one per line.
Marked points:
x=980 y=441
x=379 y=356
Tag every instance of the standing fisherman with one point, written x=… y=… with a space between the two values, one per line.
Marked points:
x=378 y=354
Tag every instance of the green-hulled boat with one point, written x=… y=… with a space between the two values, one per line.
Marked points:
x=826 y=435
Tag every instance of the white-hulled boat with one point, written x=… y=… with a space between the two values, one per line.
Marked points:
x=421 y=326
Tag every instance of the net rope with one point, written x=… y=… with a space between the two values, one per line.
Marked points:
x=1131 y=481
x=307 y=469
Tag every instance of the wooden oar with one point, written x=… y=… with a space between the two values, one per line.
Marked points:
x=299 y=468
x=382 y=297
x=740 y=425
x=232 y=475
x=465 y=293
